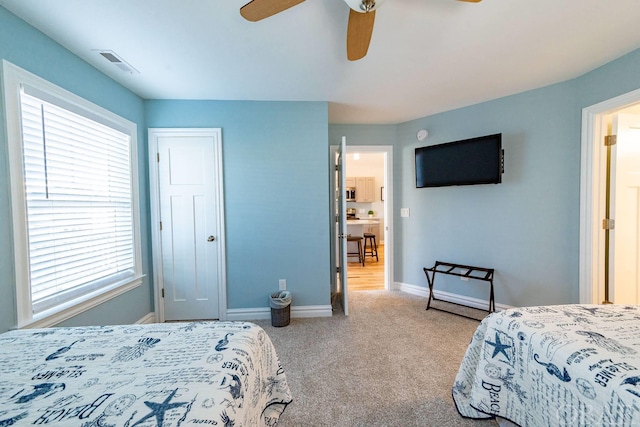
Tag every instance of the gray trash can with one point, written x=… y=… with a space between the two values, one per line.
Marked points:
x=280 y=303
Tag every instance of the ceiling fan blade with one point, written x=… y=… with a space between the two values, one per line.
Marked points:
x=359 y=32
x=256 y=10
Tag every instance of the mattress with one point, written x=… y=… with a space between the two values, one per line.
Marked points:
x=564 y=365
x=171 y=374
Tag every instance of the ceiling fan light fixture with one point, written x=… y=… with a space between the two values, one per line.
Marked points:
x=364 y=6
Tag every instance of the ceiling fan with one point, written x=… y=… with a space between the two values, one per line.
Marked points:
x=362 y=14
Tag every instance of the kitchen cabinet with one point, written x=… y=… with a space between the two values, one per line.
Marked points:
x=365 y=189
x=350 y=182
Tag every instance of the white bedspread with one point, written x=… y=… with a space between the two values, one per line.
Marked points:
x=174 y=374
x=565 y=365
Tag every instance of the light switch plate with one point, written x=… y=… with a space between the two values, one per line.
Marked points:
x=283 y=284
x=404 y=212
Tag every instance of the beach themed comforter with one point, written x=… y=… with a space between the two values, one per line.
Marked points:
x=172 y=374
x=564 y=365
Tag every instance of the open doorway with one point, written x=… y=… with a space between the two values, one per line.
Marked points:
x=610 y=202
x=372 y=162
x=365 y=181
x=385 y=210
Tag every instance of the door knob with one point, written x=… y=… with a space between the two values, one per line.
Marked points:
x=211 y=239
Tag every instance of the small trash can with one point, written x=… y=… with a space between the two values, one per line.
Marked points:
x=280 y=303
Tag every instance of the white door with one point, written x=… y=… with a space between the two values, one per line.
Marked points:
x=625 y=208
x=189 y=199
x=340 y=214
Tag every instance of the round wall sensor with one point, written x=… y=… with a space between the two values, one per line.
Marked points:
x=422 y=134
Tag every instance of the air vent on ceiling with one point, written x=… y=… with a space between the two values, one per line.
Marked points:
x=112 y=57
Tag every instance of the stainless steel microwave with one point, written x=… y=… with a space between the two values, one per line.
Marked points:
x=351 y=194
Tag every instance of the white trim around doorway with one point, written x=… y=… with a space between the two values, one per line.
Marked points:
x=593 y=193
x=154 y=197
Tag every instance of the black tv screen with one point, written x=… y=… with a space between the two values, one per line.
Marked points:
x=467 y=162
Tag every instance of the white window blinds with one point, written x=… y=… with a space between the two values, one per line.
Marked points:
x=79 y=203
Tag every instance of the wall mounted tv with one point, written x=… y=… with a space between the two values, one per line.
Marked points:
x=467 y=162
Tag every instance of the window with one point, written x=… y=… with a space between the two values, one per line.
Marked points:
x=74 y=200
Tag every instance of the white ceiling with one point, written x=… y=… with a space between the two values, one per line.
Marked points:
x=426 y=56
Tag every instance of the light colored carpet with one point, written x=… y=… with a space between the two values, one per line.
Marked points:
x=389 y=363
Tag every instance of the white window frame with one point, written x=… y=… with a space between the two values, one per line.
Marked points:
x=14 y=78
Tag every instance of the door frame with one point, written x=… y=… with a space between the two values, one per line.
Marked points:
x=335 y=208
x=154 y=197
x=341 y=168
x=388 y=206
x=593 y=194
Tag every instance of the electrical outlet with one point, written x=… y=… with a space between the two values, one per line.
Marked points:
x=404 y=212
x=283 y=284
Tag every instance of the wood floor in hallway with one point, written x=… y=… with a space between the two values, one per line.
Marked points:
x=367 y=278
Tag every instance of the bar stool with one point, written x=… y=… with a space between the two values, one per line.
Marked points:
x=360 y=255
x=373 y=246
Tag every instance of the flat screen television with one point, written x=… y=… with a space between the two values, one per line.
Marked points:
x=466 y=162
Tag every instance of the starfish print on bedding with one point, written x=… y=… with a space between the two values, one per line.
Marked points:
x=498 y=347
x=158 y=409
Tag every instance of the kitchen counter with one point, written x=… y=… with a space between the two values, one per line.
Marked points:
x=356 y=227
x=363 y=221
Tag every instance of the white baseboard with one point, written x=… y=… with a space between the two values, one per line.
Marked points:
x=149 y=318
x=447 y=296
x=265 y=312
x=325 y=310
x=311 y=311
x=235 y=314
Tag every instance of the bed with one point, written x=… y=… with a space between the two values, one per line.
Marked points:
x=170 y=374
x=564 y=365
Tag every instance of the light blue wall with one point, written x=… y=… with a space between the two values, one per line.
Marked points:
x=26 y=47
x=363 y=134
x=277 y=186
x=276 y=179
x=527 y=227
x=613 y=79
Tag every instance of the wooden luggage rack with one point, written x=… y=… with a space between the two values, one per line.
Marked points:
x=460 y=270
